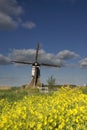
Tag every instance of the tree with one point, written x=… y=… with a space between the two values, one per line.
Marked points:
x=51 y=81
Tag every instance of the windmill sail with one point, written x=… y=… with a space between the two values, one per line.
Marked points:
x=50 y=65
x=37 y=50
x=22 y=62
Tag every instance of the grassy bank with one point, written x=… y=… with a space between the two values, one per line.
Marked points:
x=17 y=93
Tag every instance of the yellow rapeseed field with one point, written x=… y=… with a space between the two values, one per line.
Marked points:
x=62 y=110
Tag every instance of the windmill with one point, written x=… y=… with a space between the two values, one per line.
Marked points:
x=36 y=68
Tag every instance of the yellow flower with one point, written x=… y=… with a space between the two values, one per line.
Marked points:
x=32 y=124
x=39 y=125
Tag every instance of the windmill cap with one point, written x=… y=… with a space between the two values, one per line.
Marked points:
x=36 y=64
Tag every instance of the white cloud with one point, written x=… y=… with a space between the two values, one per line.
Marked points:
x=10 y=7
x=22 y=55
x=4 y=60
x=7 y=21
x=29 y=25
x=83 y=62
x=66 y=54
x=9 y=12
x=28 y=55
x=50 y=58
x=10 y=15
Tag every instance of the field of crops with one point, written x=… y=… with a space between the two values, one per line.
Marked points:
x=65 y=109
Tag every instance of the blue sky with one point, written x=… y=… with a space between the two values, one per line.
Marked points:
x=60 y=26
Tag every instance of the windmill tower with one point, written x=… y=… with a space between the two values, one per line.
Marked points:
x=35 y=81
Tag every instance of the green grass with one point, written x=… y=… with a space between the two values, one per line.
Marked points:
x=17 y=93
x=84 y=90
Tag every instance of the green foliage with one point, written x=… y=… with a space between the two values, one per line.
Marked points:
x=17 y=93
x=84 y=90
x=51 y=81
